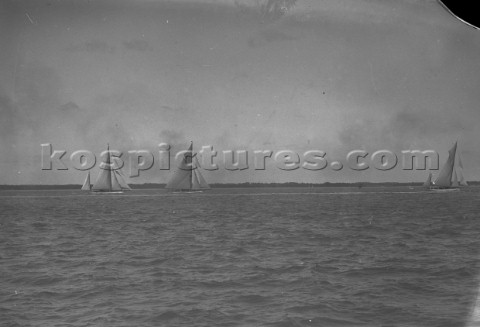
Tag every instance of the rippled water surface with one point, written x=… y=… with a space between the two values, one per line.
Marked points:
x=239 y=257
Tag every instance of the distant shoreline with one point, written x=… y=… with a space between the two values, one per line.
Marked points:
x=226 y=185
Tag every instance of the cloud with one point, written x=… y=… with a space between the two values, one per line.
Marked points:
x=137 y=45
x=172 y=137
x=173 y=109
x=37 y=85
x=339 y=75
x=6 y=106
x=406 y=128
x=95 y=46
x=426 y=125
x=8 y=114
x=275 y=9
x=69 y=107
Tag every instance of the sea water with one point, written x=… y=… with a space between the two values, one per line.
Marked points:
x=239 y=257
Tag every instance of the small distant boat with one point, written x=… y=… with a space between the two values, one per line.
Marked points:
x=447 y=180
x=110 y=179
x=187 y=178
x=86 y=185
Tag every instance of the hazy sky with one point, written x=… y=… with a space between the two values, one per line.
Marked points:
x=330 y=75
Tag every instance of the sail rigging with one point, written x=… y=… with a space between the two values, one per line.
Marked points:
x=187 y=177
x=110 y=179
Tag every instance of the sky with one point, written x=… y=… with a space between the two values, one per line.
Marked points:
x=330 y=75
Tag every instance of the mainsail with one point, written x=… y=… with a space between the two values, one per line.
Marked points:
x=86 y=185
x=187 y=176
x=444 y=179
x=110 y=179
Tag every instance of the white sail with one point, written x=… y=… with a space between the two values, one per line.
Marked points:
x=455 y=180
x=461 y=178
x=120 y=176
x=104 y=181
x=108 y=180
x=86 y=185
x=200 y=182
x=444 y=179
x=182 y=176
x=115 y=183
x=187 y=176
x=121 y=181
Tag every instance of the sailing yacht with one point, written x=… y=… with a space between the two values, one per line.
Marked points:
x=110 y=179
x=86 y=185
x=447 y=180
x=187 y=178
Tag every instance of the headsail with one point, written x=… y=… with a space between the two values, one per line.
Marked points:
x=86 y=185
x=455 y=180
x=121 y=180
x=428 y=182
x=119 y=175
x=444 y=179
x=198 y=182
x=115 y=183
x=461 y=178
x=188 y=176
